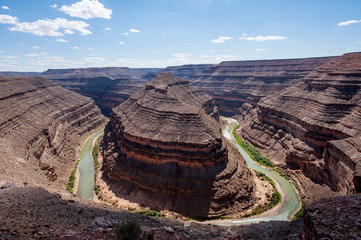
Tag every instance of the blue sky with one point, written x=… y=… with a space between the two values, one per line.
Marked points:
x=40 y=34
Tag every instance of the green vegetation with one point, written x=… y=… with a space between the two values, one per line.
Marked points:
x=150 y=213
x=273 y=199
x=128 y=230
x=72 y=179
x=252 y=152
x=131 y=230
x=95 y=153
x=299 y=213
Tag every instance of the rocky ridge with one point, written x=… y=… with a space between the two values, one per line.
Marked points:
x=238 y=84
x=333 y=218
x=315 y=125
x=106 y=86
x=163 y=147
x=41 y=126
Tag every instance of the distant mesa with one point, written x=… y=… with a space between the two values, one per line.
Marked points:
x=164 y=148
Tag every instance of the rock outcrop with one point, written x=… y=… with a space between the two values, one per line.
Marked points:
x=108 y=87
x=41 y=126
x=238 y=84
x=333 y=218
x=315 y=125
x=163 y=148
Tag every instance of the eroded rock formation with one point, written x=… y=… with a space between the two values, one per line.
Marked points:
x=315 y=125
x=238 y=84
x=41 y=126
x=108 y=87
x=163 y=147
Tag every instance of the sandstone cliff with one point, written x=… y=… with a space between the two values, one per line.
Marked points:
x=163 y=147
x=41 y=126
x=239 y=84
x=108 y=87
x=315 y=125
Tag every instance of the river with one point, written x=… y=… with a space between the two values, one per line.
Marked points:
x=86 y=167
x=290 y=201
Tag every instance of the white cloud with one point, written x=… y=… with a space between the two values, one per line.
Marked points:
x=181 y=55
x=95 y=59
x=87 y=9
x=126 y=34
x=36 y=47
x=7 y=19
x=53 y=6
x=61 y=40
x=68 y=31
x=263 y=38
x=107 y=29
x=348 y=22
x=10 y=57
x=32 y=55
x=260 y=50
x=90 y=48
x=121 y=42
x=134 y=30
x=75 y=47
x=2 y=51
x=221 y=39
x=5 y=7
x=50 y=27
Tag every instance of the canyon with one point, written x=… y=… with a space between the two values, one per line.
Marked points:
x=41 y=126
x=164 y=149
x=314 y=125
x=303 y=114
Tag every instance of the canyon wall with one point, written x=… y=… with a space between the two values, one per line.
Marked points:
x=315 y=125
x=238 y=84
x=164 y=148
x=41 y=127
x=108 y=87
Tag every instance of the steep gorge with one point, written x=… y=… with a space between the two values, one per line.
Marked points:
x=315 y=125
x=41 y=126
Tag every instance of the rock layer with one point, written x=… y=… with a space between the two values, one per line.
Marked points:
x=41 y=125
x=108 y=87
x=315 y=125
x=164 y=149
x=238 y=83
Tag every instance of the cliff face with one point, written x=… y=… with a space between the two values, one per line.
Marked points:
x=41 y=126
x=315 y=125
x=108 y=87
x=239 y=84
x=164 y=148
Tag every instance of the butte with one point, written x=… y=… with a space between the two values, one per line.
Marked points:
x=163 y=148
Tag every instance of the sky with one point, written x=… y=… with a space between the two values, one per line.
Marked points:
x=36 y=35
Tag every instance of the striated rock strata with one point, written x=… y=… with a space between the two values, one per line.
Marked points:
x=41 y=125
x=108 y=87
x=315 y=125
x=241 y=84
x=163 y=147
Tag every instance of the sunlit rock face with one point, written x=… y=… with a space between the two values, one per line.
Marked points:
x=237 y=86
x=41 y=128
x=164 y=148
x=315 y=125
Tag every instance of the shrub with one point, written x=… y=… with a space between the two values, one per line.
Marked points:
x=128 y=230
x=151 y=213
